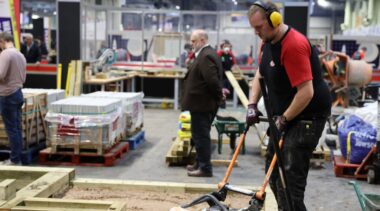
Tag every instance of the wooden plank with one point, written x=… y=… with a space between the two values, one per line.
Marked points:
x=71 y=78
x=7 y=189
x=67 y=203
x=237 y=89
x=78 y=78
x=49 y=181
x=223 y=163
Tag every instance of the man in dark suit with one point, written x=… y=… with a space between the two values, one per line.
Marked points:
x=30 y=50
x=202 y=95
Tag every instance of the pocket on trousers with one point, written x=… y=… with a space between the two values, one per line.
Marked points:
x=306 y=134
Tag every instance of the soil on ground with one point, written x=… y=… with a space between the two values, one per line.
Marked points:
x=139 y=200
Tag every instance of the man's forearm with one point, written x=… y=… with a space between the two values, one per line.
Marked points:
x=300 y=101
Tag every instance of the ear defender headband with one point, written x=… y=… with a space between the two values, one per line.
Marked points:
x=273 y=16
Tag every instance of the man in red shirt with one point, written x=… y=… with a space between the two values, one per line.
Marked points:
x=299 y=98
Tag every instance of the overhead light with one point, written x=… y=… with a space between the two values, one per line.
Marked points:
x=235 y=3
x=55 y=13
x=34 y=16
x=324 y=3
x=177 y=7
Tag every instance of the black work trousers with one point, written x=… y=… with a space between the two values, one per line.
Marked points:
x=200 y=130
x=300 y=140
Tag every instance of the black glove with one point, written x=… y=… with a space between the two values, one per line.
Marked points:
x=253 y=114
x=281 y=123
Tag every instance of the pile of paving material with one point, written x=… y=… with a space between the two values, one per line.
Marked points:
x=85 y=120
x=132 y=108
x=52 y=94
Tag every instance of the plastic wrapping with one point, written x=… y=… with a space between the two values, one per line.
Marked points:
x=65 y=129
x=77 y=121
x=356 y=138
x=133 y=108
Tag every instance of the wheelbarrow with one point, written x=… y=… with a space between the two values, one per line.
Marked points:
x=368 y=202
x=231 y=127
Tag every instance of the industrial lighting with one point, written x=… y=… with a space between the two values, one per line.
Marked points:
x=55 y=13
x=177 y=7
x=324 y=3
x=35 y=16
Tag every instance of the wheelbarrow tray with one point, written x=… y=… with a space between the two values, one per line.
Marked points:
x=229 y=126
x=372 y=202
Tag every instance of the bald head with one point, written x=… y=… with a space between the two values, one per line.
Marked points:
x=199 y=38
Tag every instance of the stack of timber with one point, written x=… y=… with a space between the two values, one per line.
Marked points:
x=132 y=107
x=181 y=152
x=52 y=94
x=84 y=125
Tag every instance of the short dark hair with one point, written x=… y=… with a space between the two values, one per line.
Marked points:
x=6 y=36
x=187 y=46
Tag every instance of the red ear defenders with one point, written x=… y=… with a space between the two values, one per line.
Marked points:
x=273 y=16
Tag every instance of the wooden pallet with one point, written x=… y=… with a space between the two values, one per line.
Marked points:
x=344 y=169
x=34 y=128
x=136 y=140
x=46 y=157
x=75 y=145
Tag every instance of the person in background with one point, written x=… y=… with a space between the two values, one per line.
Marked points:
x=228 y=61
x=52 y=55
x=12 y=78
x=184 y=58
x=30 y=50
x=300 y=99
x=202 y=95
x=359 y=54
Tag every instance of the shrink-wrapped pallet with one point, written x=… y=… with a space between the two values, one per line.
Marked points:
x=133 y=108
x=84 y=121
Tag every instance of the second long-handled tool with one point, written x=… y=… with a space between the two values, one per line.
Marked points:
x=214 y=199
x=278 y=141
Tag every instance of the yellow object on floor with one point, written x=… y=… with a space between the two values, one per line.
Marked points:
x=185 y=117
x=184 y=134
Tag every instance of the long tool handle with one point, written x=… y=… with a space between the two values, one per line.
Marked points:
x=234 y=157
x=261 y=194
x=276 y=138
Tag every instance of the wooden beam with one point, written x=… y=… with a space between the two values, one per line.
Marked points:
x=237 y=89
x=223 y=163
x=69 y=204
x=7 y=189
x=45 y=186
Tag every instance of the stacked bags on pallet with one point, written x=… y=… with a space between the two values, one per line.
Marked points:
x=179 y=153
x=184 y=132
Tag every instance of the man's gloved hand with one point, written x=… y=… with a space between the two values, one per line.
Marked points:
x=253 y=114
x=225 y=93
x=281 y=123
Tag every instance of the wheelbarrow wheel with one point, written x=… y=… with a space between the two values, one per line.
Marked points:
x=232 y=141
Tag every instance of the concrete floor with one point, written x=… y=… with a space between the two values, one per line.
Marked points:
x=324 y=190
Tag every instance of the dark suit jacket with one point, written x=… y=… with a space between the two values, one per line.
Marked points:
x=202 y=90
x=33 y=55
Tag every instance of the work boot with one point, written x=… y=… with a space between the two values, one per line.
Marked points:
x=199 y=173
x=192 y=167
